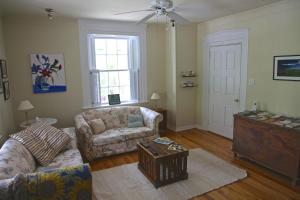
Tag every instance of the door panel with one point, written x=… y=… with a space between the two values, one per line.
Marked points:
x=224 y=87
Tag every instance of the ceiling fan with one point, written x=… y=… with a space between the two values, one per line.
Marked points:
x=160 y=8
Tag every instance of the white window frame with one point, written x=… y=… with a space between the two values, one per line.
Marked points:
x=133 y=66
x=102 y=27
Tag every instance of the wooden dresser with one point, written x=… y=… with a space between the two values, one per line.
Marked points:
x=267 y=144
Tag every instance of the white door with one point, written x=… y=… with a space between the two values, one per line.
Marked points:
x=224 y=87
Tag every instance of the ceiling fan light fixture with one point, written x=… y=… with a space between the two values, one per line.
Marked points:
x=50 y=13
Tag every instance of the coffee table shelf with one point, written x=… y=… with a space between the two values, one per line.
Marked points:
x=160 y=165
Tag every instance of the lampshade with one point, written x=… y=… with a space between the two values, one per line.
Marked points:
x=155 y=96
x=25 y=105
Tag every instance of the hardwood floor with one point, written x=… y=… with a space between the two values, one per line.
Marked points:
x=261 y=183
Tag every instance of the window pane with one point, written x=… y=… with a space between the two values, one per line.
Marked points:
x=114 y=90
x=101 y=62
x=125 y=93
x=112 y=61
x=113 y=79
x=100 y=46
x=124 y=78
x=122 y=62
x=122 y=46
x=103 y=79
x=111 y=46
x=104 y=93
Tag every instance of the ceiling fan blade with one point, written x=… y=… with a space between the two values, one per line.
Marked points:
x=178 y=18
x=134 y=11
x=145 y=19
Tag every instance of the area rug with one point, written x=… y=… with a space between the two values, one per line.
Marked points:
x=206 y=172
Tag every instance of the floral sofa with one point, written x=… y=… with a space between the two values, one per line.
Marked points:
x=117 y=138
x=66 y=177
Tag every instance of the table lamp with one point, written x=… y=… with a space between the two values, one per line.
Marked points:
x=155 y=97
x=25 y=106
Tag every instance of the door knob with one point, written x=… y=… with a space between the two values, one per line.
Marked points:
x=237 y=100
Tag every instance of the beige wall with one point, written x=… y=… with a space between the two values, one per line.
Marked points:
x=273 y=30
x=180 y=56
x=171 y=76
x=156 y=56
x=186 y=47
x=26 y=35
x=6 y=111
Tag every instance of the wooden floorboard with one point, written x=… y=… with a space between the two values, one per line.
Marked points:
x=261 y=183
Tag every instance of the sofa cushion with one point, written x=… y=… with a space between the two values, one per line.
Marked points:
x=133 y=133
x=116 y=117
x=43 y=141
x=14 y=159
x=121 y=135
x=135 y=121
x=66 y=158
x=97 y=125
x=108 y=137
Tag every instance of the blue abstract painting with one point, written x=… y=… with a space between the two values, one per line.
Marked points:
x=48 y=74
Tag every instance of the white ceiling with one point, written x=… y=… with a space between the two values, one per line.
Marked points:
x=194 y=10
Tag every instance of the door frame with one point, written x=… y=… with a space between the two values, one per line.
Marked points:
x=227 y=37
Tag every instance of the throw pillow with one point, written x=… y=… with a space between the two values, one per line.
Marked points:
x=135 y=121
x=43 y=141
x=97 y=125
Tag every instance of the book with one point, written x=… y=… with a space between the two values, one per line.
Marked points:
x=163 y=140
x=293 y=125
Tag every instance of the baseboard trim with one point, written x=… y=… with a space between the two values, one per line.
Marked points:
x=187 y=127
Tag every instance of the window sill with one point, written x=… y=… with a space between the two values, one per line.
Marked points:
x=131 y=103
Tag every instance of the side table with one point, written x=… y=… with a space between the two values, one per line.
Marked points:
x=163 y=124
x=49 y=121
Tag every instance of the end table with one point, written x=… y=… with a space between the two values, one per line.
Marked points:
x=49 y=121
x=163 y=124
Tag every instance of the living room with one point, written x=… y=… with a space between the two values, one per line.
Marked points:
x=172 y=69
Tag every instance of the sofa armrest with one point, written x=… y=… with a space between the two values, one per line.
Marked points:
x=61 y=183
x=151 y=118
x=84 y=135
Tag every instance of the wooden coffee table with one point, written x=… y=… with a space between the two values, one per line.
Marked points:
x=160 y=165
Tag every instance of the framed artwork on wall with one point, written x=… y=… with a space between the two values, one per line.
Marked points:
x=286 y=68
x=3 y=69
x=6 y=90
x=48 y=73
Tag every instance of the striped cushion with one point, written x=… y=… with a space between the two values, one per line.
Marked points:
x=43 y=141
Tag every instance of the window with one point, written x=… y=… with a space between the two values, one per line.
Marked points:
x=114 y=67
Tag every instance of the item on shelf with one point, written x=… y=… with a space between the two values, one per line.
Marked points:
x=276 y=116
x=293 y=125
x=188 y=74
x=188 y=84
x=163 y=140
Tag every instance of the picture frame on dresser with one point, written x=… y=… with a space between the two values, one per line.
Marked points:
x=286 y=67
